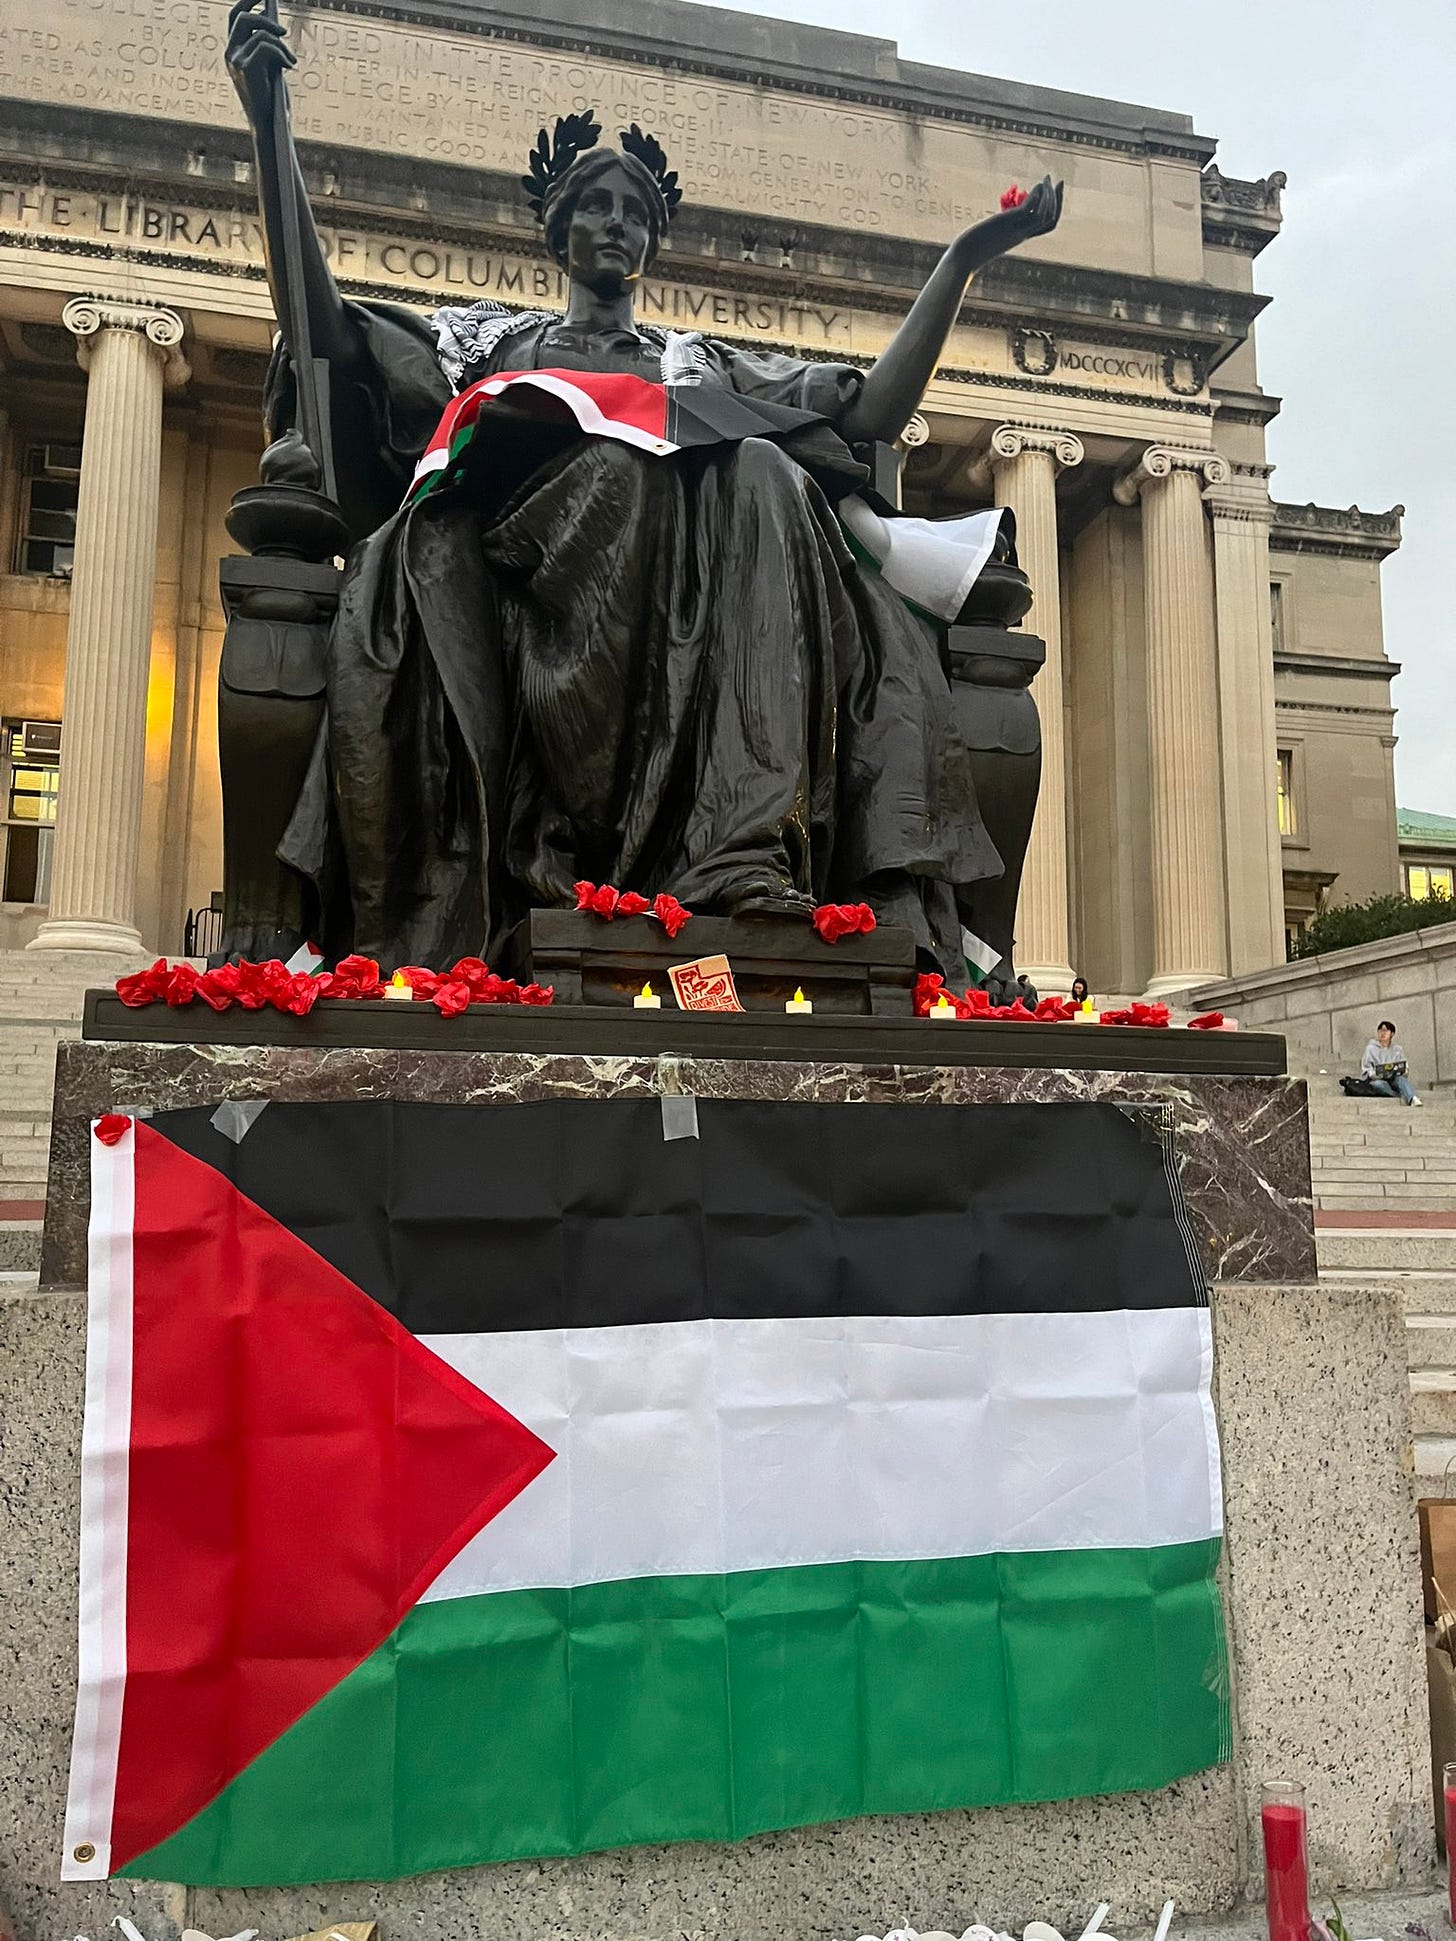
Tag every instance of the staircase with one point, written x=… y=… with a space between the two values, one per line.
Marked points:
x=1377 y=1155
x=41 y=996
x=1420 y=1265
x=1397 y=1165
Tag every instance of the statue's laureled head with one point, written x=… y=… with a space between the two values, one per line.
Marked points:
x=580 y=192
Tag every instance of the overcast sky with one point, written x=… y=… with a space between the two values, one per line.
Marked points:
x=1355 y=103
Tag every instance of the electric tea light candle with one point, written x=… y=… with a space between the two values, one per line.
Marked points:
x=399 y=989
x=799 y=1004
x=647 y=999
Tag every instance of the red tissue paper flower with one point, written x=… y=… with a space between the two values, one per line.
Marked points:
x=670 y=913
x=354 y=977
x=1210 y=1021
x=240 y=984
x=1013 y=197
x=140 y=988
x=1055 y=1010
x=303 y=994
x=836 y=920
x=424 y=983
x=111 y=1125
x=181 y=985
x=451 y=998
x=1153 y=1015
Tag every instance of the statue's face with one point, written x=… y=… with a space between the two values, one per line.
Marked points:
x=609 y=233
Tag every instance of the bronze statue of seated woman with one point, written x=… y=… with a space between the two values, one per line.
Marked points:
x=635 y=642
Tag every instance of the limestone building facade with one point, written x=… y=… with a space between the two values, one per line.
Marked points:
x=1215 y=702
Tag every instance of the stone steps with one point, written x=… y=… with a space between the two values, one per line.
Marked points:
x=1376 y=1154
x=41 y=999
x=1421 y=1265
x=1408 y=1164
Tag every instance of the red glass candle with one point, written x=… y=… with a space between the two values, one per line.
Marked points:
x=1448 y=1789
x=1286 y=1861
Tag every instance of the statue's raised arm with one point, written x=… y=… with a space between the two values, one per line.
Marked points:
x=302 y=285
x=896 y=382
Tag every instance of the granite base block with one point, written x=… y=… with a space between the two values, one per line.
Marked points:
x=1313 y=1400
x=1241 y=1143
x=1323 y=1606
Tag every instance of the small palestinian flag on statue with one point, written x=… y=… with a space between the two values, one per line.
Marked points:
x=655 y=418
x=981 y=957
x=471 y=1483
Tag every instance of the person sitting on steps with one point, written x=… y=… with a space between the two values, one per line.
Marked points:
x=1383 y=1066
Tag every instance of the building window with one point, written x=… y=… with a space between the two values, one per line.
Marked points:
x=30 y=773
x=51 y=488
x=1429 y=879
x=1288 y=825
x=1276 y=613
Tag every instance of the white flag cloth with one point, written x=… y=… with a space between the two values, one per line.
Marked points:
x=933 y=563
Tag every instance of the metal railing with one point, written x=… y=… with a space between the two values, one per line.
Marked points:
x=202 y=932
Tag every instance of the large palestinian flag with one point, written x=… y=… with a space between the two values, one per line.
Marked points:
x=658 y=419
x=463 y=1483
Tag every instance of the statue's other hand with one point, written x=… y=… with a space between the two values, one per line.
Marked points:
x=257 y=49
x=1037 y=215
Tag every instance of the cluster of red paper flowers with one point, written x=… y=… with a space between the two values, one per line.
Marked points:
x=469 y=981
x=1013 y=197
x=831 y=920
x=974 y=1003
x=252 y=987
x=1156 y=1015
x=836 y=920
x=605 y=901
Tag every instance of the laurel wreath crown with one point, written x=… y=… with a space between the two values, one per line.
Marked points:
x=554 y=154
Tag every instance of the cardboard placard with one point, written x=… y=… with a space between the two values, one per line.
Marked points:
x=1438 y=1554
x=706 y=985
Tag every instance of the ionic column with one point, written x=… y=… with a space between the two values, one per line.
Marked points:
x=1241 y=513
x=1185 y=785
x=1024 y=463
x=129 y=352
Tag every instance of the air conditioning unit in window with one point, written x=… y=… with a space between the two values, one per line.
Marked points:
x=40 y=741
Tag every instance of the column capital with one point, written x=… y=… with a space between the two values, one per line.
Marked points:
x=163 y=329
x=1011 y=441
x=1161 y=462
x=1243 y=498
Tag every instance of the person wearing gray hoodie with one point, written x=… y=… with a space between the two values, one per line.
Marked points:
x=1383 y=1064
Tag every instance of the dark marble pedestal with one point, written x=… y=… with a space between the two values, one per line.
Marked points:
x=1239 y=1141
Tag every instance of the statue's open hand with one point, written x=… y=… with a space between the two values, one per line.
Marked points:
x=257 y=50
x=1037 y=215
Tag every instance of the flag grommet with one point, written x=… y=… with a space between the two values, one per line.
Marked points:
x=84 y=1854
